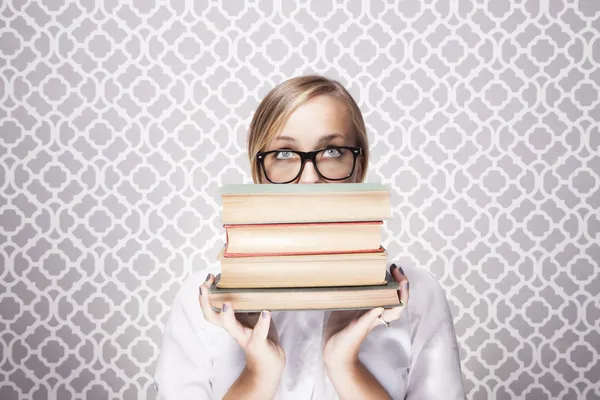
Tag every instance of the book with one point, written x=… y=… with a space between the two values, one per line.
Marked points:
x=343 y=269
x=333 y=202
x=302 y=238
x=323 y=298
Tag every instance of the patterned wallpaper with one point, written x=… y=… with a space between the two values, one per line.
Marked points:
x=120 y=120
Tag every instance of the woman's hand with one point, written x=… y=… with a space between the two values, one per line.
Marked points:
x=346 y=330
x=257 y=336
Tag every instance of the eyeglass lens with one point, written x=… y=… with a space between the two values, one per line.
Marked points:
x=285 y=165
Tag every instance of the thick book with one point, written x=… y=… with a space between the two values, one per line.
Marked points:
x=324 y=298
x=333 y=202
x=302 y=238
x=343 y=269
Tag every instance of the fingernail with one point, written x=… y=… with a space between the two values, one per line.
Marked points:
x=407 y=285
x=224 y=308
x=264 y=314
x=200 y=290
x=401 y=270
x=207 y=278
x=392 y=268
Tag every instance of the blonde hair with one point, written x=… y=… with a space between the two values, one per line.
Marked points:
x=284 y=99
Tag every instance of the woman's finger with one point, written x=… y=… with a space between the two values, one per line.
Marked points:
x=404 y=292
x=366 y=323
x=402 y=280
x=209 y=314
x=261 y=329
x=231 y=324
x=397 y=273
x=392 y=314
x=395 y=313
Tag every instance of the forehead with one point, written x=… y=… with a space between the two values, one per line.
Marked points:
x=320 y=116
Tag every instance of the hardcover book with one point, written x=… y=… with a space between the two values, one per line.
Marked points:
x=322 y=298
x=301 y=270
x=333 y=202
x=302 y=238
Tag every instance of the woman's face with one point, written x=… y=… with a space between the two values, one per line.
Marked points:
x=320 y=123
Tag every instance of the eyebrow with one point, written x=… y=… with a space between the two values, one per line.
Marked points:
x=286 y=139
x=324 y=139
x=330 y=137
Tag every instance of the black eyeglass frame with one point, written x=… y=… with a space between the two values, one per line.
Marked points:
x=308 y=156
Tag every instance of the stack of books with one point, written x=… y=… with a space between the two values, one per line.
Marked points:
x=298 y=247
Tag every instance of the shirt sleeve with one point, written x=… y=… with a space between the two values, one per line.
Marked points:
x=184 y=365
x=435 y=363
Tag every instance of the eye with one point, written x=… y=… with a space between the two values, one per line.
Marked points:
x=284 y=155
x=332 y=153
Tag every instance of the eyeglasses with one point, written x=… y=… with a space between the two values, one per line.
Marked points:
x=334 y=163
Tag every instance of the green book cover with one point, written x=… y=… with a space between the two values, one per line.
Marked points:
x=234 y=189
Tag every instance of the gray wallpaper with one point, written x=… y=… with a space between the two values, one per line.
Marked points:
x=120 y=120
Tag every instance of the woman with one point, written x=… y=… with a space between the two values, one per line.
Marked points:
x=408 y=352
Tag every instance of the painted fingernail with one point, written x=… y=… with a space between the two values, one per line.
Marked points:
x=264 y=314
x=207 y=278
x=407 y=285
x=200 y=290
x=224 y=308
x=401 y=270
x=392 y=268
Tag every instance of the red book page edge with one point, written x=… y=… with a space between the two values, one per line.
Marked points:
x=240 y=255
x=230 y=226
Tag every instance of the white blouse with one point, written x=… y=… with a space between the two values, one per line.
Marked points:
x=416 y=358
